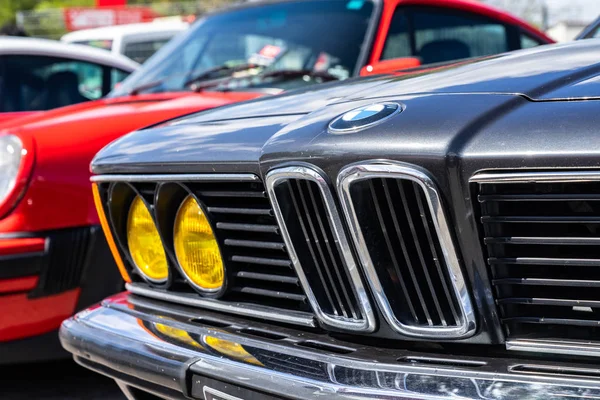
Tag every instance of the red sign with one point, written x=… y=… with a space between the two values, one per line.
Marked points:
x=85 y=18
x=107 y=3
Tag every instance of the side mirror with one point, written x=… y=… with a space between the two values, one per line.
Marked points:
x=389 y=66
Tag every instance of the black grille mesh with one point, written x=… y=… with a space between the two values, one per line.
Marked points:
x=542 y=246
x=255 y=257
x=65 y=262
x=399 y=233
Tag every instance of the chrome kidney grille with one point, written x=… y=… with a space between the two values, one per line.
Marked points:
x=288 y=254
x=405 y=247
x=314 y=235
x=541 y=233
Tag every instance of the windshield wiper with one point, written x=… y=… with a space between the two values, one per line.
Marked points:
x=208 y=74
x=145 y=86
x=220 y=83
x=295 y=73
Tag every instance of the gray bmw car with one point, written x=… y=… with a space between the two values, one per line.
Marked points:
x=425 y=235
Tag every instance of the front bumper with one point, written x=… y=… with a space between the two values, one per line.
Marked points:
x=121 y=339
x=44 y=278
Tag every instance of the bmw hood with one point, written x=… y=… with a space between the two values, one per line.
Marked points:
x=439 y=110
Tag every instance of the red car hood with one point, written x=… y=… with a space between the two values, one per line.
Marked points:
x=122 y=114
x=64 y=140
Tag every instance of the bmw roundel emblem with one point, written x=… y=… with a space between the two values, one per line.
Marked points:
x=364 y=117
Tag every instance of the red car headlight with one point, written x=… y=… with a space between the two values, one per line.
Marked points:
x=15 y=166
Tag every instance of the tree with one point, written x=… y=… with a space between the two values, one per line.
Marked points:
x=9 y=8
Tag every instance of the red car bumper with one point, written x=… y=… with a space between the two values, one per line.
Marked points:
x=45 y=278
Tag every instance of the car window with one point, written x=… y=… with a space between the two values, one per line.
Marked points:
x=438 y=35
x=43 y=83
x=105 y=44
x=527 y=41
x=117 y=76
x=140 y=51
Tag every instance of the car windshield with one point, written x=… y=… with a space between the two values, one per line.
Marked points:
x=322 y=36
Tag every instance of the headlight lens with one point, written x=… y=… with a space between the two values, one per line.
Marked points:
x=11 y=153
x=144 y=243
x=196 y=247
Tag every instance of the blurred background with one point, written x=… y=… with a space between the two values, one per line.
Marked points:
x=561 y=19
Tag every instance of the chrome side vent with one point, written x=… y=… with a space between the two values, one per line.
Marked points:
x=313 y=233
x=406 y=249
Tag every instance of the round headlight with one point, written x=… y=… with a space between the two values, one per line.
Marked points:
x=196 y=247
x=11 y=152
x=144 y=243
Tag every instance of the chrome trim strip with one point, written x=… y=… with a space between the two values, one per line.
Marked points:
x=253 y=311
x=569 y=347
x=384 y=169
x=176 y=178
x=368 y=323
x=550 y=177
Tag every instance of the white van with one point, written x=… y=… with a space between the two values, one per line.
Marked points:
x=136 y=41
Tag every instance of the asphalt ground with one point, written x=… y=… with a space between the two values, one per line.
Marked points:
x=58 y=380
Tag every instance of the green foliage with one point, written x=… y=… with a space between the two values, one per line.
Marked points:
x=9 y=8
x=48 y=4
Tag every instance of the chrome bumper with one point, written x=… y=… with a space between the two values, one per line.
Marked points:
x=121 y=339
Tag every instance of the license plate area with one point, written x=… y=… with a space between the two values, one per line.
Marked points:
x=212 y=389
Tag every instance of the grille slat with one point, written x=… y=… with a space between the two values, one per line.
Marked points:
x=307 y=214
x=538 y=197
x=311 y=245
x=404 y=244
x=229 y=226
x=254 y=244
x=270 y=293
x=392 y=253
x=246 y=211
x=540 y=237
x=267 y=277
x=436 y=260
x=346 y=305
x=262 y=261
x=546 y=261
x=251 y=194
x=550 y=302
x=546 y=282
x=541 y=219
x=409 y=218
x=557 y=241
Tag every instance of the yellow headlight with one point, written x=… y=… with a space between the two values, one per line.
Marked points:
x=231 y=349
x=196 y=247
x=144 y=243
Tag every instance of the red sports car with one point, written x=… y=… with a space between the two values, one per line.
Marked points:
x=53 y=256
